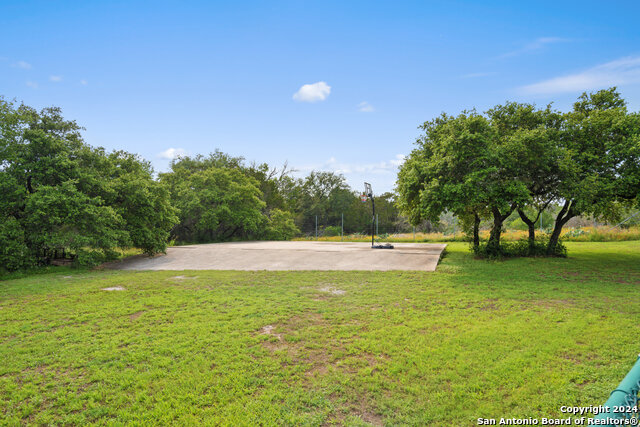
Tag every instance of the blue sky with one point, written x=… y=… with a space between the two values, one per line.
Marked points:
x=325 y=85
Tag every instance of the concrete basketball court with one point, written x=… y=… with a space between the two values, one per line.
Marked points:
x=291 y=256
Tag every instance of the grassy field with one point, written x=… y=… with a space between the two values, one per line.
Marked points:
x=516 y=338
x=584 y=234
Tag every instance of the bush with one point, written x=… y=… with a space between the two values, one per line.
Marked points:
x=90 y=258
x=280 y=226
x=519 y=248
x=332 y=231
x=576 y=232
x=14 y=253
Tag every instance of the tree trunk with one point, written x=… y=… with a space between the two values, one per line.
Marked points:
x=493 y=245
x=555 y=236
x=476 y=231
x=566 y=213
x=29 y=187
x=531 y=225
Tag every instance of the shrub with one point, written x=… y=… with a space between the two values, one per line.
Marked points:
x=281 y=226
x=89 y=258
x=519 y=248
x=331 y=231
x=14 y=253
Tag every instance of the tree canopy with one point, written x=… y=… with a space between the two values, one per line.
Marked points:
x=58 y=193
x=517 y=157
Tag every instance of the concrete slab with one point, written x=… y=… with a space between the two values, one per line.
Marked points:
x=291 y=256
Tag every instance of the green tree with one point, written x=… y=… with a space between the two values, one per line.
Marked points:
x=602 y=143
x=460 y=166
x=59 y=217
x=325 y=195
x=280 y=226
x=528 y=137
x=143 y=203
x=14 y=252
x=215 y=204
x=64 y=194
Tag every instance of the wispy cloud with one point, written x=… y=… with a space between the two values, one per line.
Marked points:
x=333 y=165
x=21 y=64
x=475 y=75
x=535 y=45
x=83 y=82
x=365 y=107
x=615 y=73
x=172 y=153
x=55 y=79
x=32 y=84
x=312 y=92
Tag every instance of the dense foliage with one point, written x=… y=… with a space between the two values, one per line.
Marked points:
x=61 y=199
x=60 y=196
x=518 y=158
x=221 y=198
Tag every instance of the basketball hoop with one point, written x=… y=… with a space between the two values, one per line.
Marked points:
x=368 y=192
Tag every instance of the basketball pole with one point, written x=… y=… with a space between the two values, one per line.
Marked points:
x=373 y=220
x=368 y=192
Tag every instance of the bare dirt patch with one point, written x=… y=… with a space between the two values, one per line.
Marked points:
x=269 y=330
x=135 y=315
x=114 y=288
x=332 y=290
x=293 y=347
x=358 y=408
x=294 y=328
x=372 y=418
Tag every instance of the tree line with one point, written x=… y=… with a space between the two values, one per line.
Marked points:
x=519 y=158
x=220 y=197
x=62 y=198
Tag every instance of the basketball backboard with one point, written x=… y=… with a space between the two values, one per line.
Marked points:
x=367 y=190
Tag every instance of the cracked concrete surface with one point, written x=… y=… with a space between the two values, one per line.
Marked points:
x=291 y=256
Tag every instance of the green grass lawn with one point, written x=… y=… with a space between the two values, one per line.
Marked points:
x=516 y=338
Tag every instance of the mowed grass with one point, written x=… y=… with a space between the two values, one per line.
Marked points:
x=516 y=338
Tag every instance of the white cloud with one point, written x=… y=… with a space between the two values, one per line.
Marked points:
x=172 y=153
x=313 y=92
x=399 y=160
x=537 y=44
x=333 y=165
x=365 y=107
x=619 y=72
x=382 y=175
x=84 y=82
x=55 y=79
x=32 y=85
x=22 y=64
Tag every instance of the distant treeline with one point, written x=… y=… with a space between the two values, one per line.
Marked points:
x=514 y=166
x=219 y=197
x=63 y=199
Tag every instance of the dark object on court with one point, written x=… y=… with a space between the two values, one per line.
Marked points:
x=385 y=246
